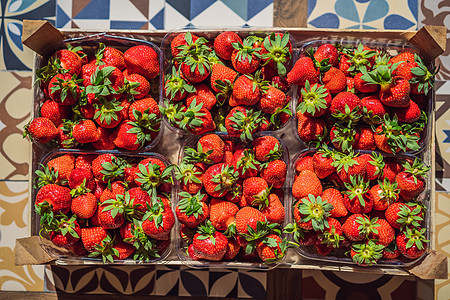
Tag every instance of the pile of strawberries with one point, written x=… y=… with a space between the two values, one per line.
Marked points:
x=102 y=205
x=361 y=98
x=230 y=203
x=365 y=204
x=102 y=101
x=230 y=84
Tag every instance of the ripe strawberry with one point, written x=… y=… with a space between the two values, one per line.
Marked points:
x=363 y=86
x=322 y=162
x=331 y=237
x=272 y=100
x=106 y=81
x=41 y=130
x=366 y=140
x=108 y=168
x=403 y=57
x=245 y=58
x=267 y=148
x=276 y=51
x=373 y=110
x=176 y=88
x=197 y=119
x=190 y=178
x=349 y=165
x=145 y=112
x=203 y=94
x=55 y=112
x=408 y=114
x=109 y=56
x=271 y=248
x=334 y=80
x=391 y=251
x=273 y=211
x=213 y=146
x=383 y=194
x=366 y=253
x=108 y=113
x=63 y=165
x=222 y=214
x=302 y=71
x=233 y=249
x=255 y=190
x=136 y=86
x=383 y=234
x=247 y=89
x=390 y=170
x=53 y=198
x=83 y=161
x=195 y=68
x=329 y=52
x=335 y=198
x=356 y=198
x=248 y=217
x=209 y=244
x=222 y=78
x=191 y=210
x=412 y=243
x=311 y=213
x=306 y=183
x=104 y=142
x=122 y=250
x=275 y=173
x=223 y=44
x=219 y=179
x=411 y=181
x=304 y=163
x=245 y=163
x=65 y=232
x=129 y=136
x=343 y=137
x=357 y=227
x=242 y=122
x=391 y=138
x=360 y=58
x=84 y=206
x=346 y=106
x=92 y=237
x=158 y=221
x=85 y=131
x=142 y=60
x=315 y=100
x=401 y=215
x=181 y=40
x=310 y=128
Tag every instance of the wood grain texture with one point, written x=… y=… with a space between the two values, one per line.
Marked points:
x=290 y=13
x=284 y=284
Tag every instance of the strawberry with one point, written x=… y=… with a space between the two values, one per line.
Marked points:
x=203 y=94
x=383 y=194
x=191 y=210
x=335 y=198
x=248 y=217
x=213 y=146
x=412 y=243
x=108 y=113
x=136 y=86
x=346 y=106
x=327 y=52
x=122 y=250
x=158 y=221
x=245 y=58
x=360 y=58
x=356 y=198
x=310 y=128
x=402 y=57
x=41 y=130
x=85 y=131
x=401 y=215
x=55 y=112
x=180 y=40
x=322 y=162
x=92 y=237
x=363 y=86
x=334 y=80
x=411 y=181
x=390 y=170
x=108 y=168
x=349 y=165
x=408 y=114
x=373 y=110
x=367 y=253
x=109 y=56
x=197 y=119
x=315 y=100
x=267 y=148
x=311 y=213
x=83 y=161
x=343 y=138
x=305 y=184
x=423 y=78
x=222 y=214
x=254 y=190
x=391 y=251
x=272 y=100
x=222 y=78
x=219 y=179
x=153 y=173
x=305 y=163
x=247 y=89
x=233 y=249
x=302 y=71
x=271 y=248
x=275 y=173
x=273 y=211
x=195 y=67
x=66 y=232
x=242 y=122
x=245 y=163
x=390 y=137
x=111 y=212
x=106 y=81
x=63 y=166
x=129 y=136
x=142 y=60
x=366 y=140
x=145 y=112
x=277 y=51
x=209 y=243
x=223 y=44
x=190 y=177
x=383 y=234
x=375 y=165
x=330 y=237
x=176 y=88
x=357 y=227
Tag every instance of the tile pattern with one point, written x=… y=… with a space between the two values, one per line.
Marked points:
x=156 y=280
x=14 y=55
x=442 y=243
x=14 y=212
x=363 y=14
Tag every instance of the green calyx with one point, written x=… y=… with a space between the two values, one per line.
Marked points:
x=191 y=205
x=278 y=51
x=192 y=116
x=410 y=214
x=174 y=84
x=359 y=58
x=187 y=173
x=344 y=137
x=206 y=231
x=331 y=238
x=389 y=191
x=248 y=161
x=367 y=253
x=195 y=156
x=313 y=98
x=145 y=246
x=415 y=237
x=316 y=210
x=107 y=111
x=422 y=76
x=357 y=188
x=67 y=86
x=101 y=83
x=246 y=123
x=418 y=169
x=225 y=179
x=367 y=226
x=114 y=170
x=106 y=250
x=45 y=176
x=172 y=111
x=150 y=177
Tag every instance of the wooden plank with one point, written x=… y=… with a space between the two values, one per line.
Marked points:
x=284 y=284
x=290 y=13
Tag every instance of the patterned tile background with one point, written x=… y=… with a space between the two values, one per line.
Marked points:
x=15 y=97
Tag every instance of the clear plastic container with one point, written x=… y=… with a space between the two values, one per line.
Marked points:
x=210 y=33
x=90 y=44
x=338 y=256
x=64 y=256
x=180 y=245
x=392 y=47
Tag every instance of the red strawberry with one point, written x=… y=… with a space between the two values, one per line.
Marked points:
x=383 y=234
x=196 y=68
x=335 y=198
x=92 y=237
x=277 y=51
x=191 y=210
x=273 y=210
x=41 y=130
x=267 y=148
x=233 y=249
x=272 y=100
x=314 y=101
x=176 y=87
x=323 y=162
x=245 y=163
x=106 y=81
x=310 y=128
x=142 y=60
x=219 y=179
x=346 y=106
x=145 y=112
x=271 y=248
x=223 y=44
x=221 y=78
x=81 y=179
x=247 y=90
x=202 y=94
x=66 y=232
x=412 y=243
x=245 y=58
x=401 y=215
x=255 y=190
x=356 y=198
x=383 y=194
x=63 y=165
x=357 y=227
x=137 y=87
x=209 y=244
x=302 y=71
x=181 y=40
x=306 y=183
x=108 y=113
x=331 y=237
x=55 y=112
x=411 y=181
x=123 y=250
x=390 y=170
x=327 y=51
x=408 y=114
x=311 y=213
x=334 y=80
x=213 y=146
x=248 y=217
x=222 y=213
x=242 y=122
x=104 y=142
x=350 y=165
x=190 y=178
x=275 y=173
x=84 y=206
x=363 y=86
x=129 y=136
x=366 y=253
x=366 y=140
x=55 y=198
x=158 y=221
x=85 y=131
x=107 y=167
x=109 y=56
x=304 y=163
x=360 y=58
